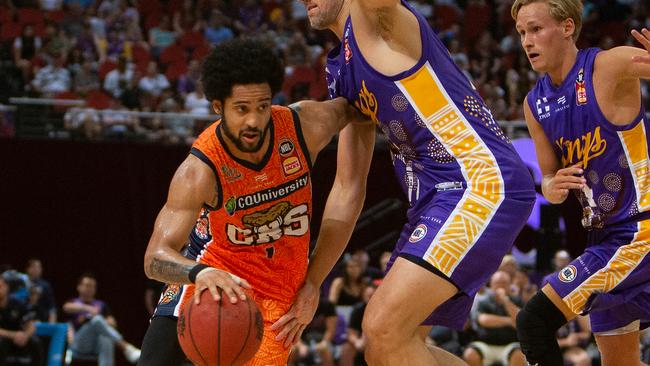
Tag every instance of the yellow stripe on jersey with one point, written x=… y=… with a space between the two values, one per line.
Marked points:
x=636 y=151
x=479 y=167
x=624 y=261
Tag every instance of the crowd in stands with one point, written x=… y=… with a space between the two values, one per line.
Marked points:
x=335 y=336
x=144 y=55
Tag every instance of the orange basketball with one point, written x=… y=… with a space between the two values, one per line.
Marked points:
x=216 y=333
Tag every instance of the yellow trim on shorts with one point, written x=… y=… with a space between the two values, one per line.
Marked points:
x=485 y=187
x=622 y=263
x=636 y=152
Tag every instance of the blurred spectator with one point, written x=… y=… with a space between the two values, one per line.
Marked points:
x=83 y=122
x=217 y=30
x=573 y=339
x=195 y=102
x=347 y=289
x=117 y=122
x=187 y=83
x=315 y=345
x=26 y=47
x=117 y=80
x=522 y=287
x=368 y=271
x=153 y=82
x=561 y=259
x=494 y=318
x=49 y=5
x=152 y=292
x=46 y=305
x=18 y=345
x=161 y=36
x=53 y=78
x=86 y=78
x=93 y=328
x=352 y=350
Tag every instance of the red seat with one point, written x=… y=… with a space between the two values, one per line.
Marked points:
x=300 y=74
x=10 y=31
x=30 y=16
x=446 y=15
x=5 y=15
x=98 y=99
x=175 y=70
x=140 y=54
x=171 y=54
x=200 y=52
x=191 y=40
x=149 y=6
x=105 y=68
x=152 y=20
x=55 y=15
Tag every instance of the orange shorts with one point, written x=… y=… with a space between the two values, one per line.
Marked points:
x=271 y=352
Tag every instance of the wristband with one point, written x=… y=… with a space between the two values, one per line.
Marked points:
x=195 y=271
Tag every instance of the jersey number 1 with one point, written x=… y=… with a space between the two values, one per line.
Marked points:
x=270 y=251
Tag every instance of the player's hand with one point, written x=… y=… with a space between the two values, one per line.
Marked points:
x=20 y=339
x=210 y=278
x=291 y=324
x=644 y=38
x=557 y=188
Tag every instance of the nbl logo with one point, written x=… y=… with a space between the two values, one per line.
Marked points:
x=568 y=273
x=418 y=234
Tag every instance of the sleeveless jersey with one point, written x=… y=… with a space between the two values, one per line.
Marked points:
x=441 y=134
x=259 y=229
x=614 y=158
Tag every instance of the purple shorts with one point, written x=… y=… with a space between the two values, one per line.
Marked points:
x=464 y=241
x=611 y=280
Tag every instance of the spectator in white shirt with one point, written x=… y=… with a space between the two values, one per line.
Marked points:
x=117 y=79
x=153 y=82
x=53 y=78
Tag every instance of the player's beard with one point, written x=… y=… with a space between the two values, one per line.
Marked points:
x=239 y=143
x=327 y=15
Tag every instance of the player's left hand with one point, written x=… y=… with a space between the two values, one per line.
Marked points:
x=644 y=38
x=291 y=324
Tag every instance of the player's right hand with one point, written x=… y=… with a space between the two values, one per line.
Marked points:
x=210 y=278
x=557 y=188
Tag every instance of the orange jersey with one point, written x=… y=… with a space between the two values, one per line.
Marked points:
x=260 y=227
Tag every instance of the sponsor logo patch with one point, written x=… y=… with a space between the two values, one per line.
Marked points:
x=568 y=273
x=581 y=88
x=170 y=293
x=418 y=234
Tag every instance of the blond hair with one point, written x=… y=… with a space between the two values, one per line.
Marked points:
x=559 y=10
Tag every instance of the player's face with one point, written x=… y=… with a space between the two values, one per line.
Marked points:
x=541 y=36
x=246 y=116
x=322 y=13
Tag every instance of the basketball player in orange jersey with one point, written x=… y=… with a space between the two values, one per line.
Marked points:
x=590 y=129
x=247 y=180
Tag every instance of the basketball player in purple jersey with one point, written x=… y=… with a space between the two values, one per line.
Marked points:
x=469 y=192
x=591 y=135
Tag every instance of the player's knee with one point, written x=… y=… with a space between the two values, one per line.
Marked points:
x=537 y=324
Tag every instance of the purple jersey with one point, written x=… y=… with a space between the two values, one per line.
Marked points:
x=441 y=134
x=614 y=158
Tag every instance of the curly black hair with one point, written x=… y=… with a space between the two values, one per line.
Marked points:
x=240 y=61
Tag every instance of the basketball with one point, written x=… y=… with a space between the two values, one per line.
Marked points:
x=216 y=333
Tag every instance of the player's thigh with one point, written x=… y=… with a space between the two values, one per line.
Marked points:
x=160 y=346
x=619 y=349
x=406 y=297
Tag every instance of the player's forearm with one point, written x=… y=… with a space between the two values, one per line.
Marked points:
x=73 y=307
x=30 y=329
x=167 y=265
x=5 y=333
x=494 y=321
x=339 y=217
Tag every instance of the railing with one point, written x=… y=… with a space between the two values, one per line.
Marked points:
x=70 y=119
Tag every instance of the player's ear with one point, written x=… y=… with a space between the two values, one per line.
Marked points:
x=569 y=27
x=217 y=106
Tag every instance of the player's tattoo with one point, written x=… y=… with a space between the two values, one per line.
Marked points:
x=170 y=272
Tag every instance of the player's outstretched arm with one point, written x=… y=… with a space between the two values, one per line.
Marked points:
x=627 y=64
x=556 y=181
x=344 y=204
x=642 y=60
x=193 y=185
